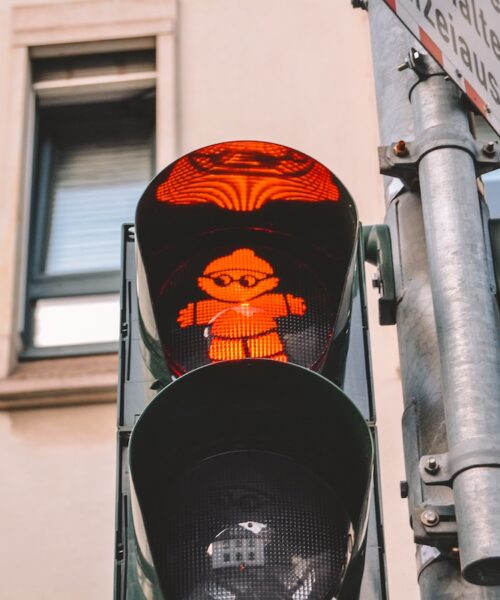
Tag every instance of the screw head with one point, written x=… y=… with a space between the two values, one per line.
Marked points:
x=489 y=149
x=417 y=57
x=400 y=148
x=432 y=465
x=429 y=518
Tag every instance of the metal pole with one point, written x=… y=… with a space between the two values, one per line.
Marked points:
x=467 y=323
x=423 y=422
x=441 y=580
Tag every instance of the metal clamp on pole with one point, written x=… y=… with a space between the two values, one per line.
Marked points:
x=402 y=158
x=441 y=469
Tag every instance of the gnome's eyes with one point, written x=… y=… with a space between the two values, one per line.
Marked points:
x=222 y=280
x=247 y=281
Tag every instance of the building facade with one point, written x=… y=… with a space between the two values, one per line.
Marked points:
x=98 y=95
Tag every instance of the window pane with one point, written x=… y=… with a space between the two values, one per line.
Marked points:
x=100 y=167
x=90 y=78
x=93 y=65
x=94 y=162
x=78 y=320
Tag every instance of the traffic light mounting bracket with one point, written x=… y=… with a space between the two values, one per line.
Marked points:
x=378 y=252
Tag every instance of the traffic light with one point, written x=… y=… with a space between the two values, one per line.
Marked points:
x=251 y=470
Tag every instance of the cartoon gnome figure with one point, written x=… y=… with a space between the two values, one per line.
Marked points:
x=241 y=312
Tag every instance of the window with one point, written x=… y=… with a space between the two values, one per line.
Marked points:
x=94 y=156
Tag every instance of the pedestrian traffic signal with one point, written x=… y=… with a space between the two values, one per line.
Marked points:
x=251 y=469
x=246 y=251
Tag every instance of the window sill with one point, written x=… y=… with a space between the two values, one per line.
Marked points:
x=60 y=382
x=54 y=352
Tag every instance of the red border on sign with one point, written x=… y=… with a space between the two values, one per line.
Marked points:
x=428 y=42
x=392 y=4
x=475 y=97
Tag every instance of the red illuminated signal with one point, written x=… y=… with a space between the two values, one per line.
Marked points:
x=243 y=176
x=299 y=221
x=241 y=312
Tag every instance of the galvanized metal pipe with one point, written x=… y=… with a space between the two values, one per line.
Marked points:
x=466 y=320
x=423 y=423
x=441 y=580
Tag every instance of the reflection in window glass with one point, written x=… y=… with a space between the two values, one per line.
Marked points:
x=99 y=170
x=79 y=320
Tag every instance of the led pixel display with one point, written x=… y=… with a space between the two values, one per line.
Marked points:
x=245 y=303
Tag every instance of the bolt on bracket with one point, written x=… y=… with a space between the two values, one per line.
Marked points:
x=401 y=159
x=441 y=469
x=435 y=525
x=421 y=63
x=440 y=527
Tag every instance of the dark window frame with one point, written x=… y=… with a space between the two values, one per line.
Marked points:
x=40 y=285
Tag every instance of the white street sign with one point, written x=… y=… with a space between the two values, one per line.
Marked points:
x=464 y=37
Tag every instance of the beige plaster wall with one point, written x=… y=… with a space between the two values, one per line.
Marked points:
x=291 y=71
x=57 y=468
